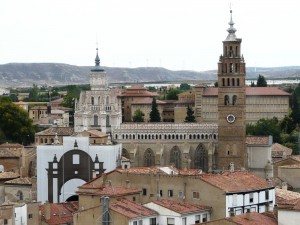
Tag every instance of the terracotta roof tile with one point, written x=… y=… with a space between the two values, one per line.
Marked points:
x=253 y=218
x=140 y=94
x=253 y=91
x=181 y=207
x=237 y=181
x=107 y=190
x=285 y=195
x=96 y=133
x=257 y=140
x=60 y=131
x=279 y=150
x=293 y=204
x=131 y=209
x=20 y=180
x=60 y=213
x=8 y=175
x=146 y=101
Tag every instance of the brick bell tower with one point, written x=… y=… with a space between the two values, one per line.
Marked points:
x=231 y=104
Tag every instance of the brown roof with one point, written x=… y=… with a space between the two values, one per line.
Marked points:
x=237 y=181
x=181 y=207
x=60 y=131
x=9 y=175
x=279 y=150
x=52 y=107
x=257 y=140
x=11 y=145
x=95 y=133
x=285 y=195
x=252 y=218
x=293 y=204
x=131 y=209
x=20 y=180
x=107 y=190
x=60 y=213
x=250 y=91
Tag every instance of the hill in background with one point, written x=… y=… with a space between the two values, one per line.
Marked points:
x=27 y=74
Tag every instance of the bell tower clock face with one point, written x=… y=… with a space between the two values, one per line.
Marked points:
x=230 y=118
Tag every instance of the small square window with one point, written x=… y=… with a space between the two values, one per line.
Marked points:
x=30 y=216
x=196 y=194
x=197 y=219
x=144 y=191
x=251 y=197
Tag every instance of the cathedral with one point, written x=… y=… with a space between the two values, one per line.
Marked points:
x=98 y=108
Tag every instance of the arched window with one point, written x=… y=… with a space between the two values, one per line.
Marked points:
x=223 y=82
x=92 y=100
x=236 y=67
x=99 y=100
x=95 y=120
x=226 y=100
x=175 y=157
x=232 y=82
x=230 y=67
x=201 y=158
x=238 y=82
x=149 y=158
x=234 y=98
x=228 y=81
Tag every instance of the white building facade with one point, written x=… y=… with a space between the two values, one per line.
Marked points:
x=62 y=168
x=98 y=108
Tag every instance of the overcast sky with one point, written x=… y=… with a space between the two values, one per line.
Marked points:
x=174 y=34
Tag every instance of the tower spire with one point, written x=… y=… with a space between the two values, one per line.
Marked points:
x=231 y=30
x=97 y=59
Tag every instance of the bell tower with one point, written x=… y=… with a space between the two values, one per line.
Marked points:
x=231 y=104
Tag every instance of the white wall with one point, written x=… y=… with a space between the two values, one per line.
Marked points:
x=288 y=217
x=21 y=215
x=45 y=153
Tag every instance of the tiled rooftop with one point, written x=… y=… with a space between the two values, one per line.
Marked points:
x=60 y=131
x=252 y=218
x=60 y=213
x=237 y=181
x=146 y=101
x=285 y=195
x=11 y=145
x=53 y=107
x=250 y=91
x=181 y=207
x=131 y=209
x=293 y=204
x=96 y=133
x=20 y=181
x=257 y=140
x=279 y=150
x=107 y=190
x=8 y=175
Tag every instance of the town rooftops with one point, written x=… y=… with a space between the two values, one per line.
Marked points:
x=106 y=190
x=259 y=140
x=252 y=218
x=131 y=209
x=60 y=213
x=285 y=195
x=237 y=181
x=20 y=181
x=250 y=91
x=181 y=207
x=59 y=131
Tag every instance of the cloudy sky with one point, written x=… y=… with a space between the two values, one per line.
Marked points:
x=175 y=34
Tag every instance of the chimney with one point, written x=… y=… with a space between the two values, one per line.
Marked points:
x=231 y=166
x=284 y=186
x=47 y=208
x=248 y=214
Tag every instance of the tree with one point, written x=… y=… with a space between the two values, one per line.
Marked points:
x=138 y=116
x=261 y=81
x=5 y=99
x=295 y=105
x=216 y=84
x=252 y=84
x=73 y=92
x=154 y=114
x=190 y=118
x=15 y=124
x=173 y=94
x=265 y=127
x=185 y=86
x=34 y=93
